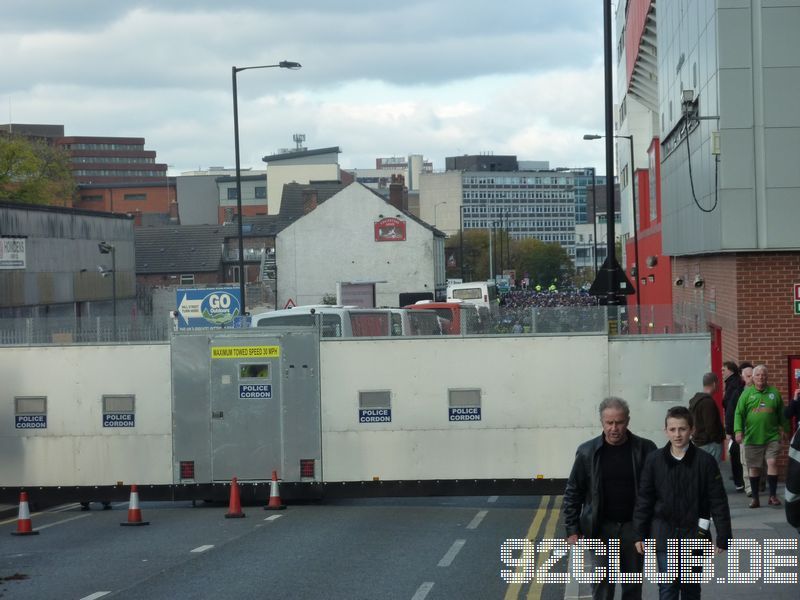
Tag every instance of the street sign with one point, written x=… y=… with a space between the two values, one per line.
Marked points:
x=289 y=304
x=797 y=298
x=208 y=308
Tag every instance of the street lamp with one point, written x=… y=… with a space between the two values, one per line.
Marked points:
x=284 y=64
x=106 y=248
x=590 y=136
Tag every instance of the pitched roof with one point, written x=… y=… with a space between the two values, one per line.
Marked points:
x=294 y=196
x=185 y=248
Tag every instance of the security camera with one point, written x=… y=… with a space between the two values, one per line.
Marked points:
x=698 y=281
x=679 y=282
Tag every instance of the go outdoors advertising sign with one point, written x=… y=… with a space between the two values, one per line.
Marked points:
x=206 y=308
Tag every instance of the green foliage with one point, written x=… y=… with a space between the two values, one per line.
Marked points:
x=34 y=172
x=546 y=263
x=329 y=299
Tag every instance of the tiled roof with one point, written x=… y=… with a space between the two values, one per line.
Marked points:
x=186 y=248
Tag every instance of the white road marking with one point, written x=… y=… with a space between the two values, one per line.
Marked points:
x=477 y=519
x=450 y=556
x=273 y=517
x=65 y=507
x=62 y=521
x=203 y=548
x=493 y=498
x=95 y=595
x=422 y=591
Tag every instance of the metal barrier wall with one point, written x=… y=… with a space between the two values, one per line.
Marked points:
x=492 y=407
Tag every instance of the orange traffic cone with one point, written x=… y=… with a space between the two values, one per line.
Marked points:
x=134 y=513
x=274 y=495
x=24 y=526
x=235 y=505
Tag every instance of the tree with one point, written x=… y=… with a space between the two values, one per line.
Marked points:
x=546 y=263
x=34 y=172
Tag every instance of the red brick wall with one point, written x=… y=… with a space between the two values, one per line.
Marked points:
x=749 y=296
x=768 y=329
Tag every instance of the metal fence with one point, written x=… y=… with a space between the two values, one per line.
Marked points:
x=623 y=320
x=97 y=330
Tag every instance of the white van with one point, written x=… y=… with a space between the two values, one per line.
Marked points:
x=482 y=294
x=337 y=321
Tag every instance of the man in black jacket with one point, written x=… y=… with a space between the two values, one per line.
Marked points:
x=733 y=389
x=680 y=485
x=601 y=492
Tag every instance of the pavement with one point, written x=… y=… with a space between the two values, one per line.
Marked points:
x=765 y=523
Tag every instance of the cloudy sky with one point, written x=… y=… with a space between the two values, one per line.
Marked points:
x=431 y=77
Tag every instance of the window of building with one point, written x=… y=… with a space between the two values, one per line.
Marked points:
x=187 y=279
x=232 y=193
x=261 y=192
x=137 y=197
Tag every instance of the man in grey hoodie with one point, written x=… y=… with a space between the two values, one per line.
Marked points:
x=708 y=430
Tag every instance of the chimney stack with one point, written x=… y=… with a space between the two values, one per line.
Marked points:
x=398 y=194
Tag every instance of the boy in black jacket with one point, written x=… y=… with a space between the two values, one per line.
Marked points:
x=679 y=485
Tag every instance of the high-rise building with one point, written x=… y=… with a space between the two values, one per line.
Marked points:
x=492 y=193
x=112 y=160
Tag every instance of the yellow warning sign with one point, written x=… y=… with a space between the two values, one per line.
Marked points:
x=246 y=352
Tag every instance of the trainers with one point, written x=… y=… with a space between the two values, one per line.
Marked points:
x=773 y=501
x=749 y=494
x=740 y=488
x=755 y=504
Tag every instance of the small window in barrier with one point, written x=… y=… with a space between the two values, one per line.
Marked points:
x=375 y=406
x=254 y=371
x=119 y=410
x=464 y=404
x=30 y=412
x=666 y=393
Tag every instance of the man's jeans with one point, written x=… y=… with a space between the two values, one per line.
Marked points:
x=714 y=449
x=675 y=590
x=630 y=561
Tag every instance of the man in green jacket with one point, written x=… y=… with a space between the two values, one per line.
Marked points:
x=759 y=414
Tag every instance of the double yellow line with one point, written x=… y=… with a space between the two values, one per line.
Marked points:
x=549 y=510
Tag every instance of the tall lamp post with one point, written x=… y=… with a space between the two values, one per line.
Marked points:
x=106 y=248
x=590 y=136
x=594 y=219
x=284 y=64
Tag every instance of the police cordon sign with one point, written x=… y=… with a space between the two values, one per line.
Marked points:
x=126 y=419
x=374 y=415
x=465 y=413
x=207 y=308
x=30 y=422
x=255 y=390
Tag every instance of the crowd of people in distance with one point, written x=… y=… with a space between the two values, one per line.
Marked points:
x=547 y=298
x=516 y=309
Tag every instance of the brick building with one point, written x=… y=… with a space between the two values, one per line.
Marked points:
x=714 y=86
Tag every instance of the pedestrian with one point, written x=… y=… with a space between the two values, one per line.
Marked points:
x=760 y=424
x=792 y=494
x=708 y=430
x=733 y=389
x=746 y=370
x=679 y=487
x=601 y=492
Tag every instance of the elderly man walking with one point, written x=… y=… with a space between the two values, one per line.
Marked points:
x=601 y=492
x=759 y=414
